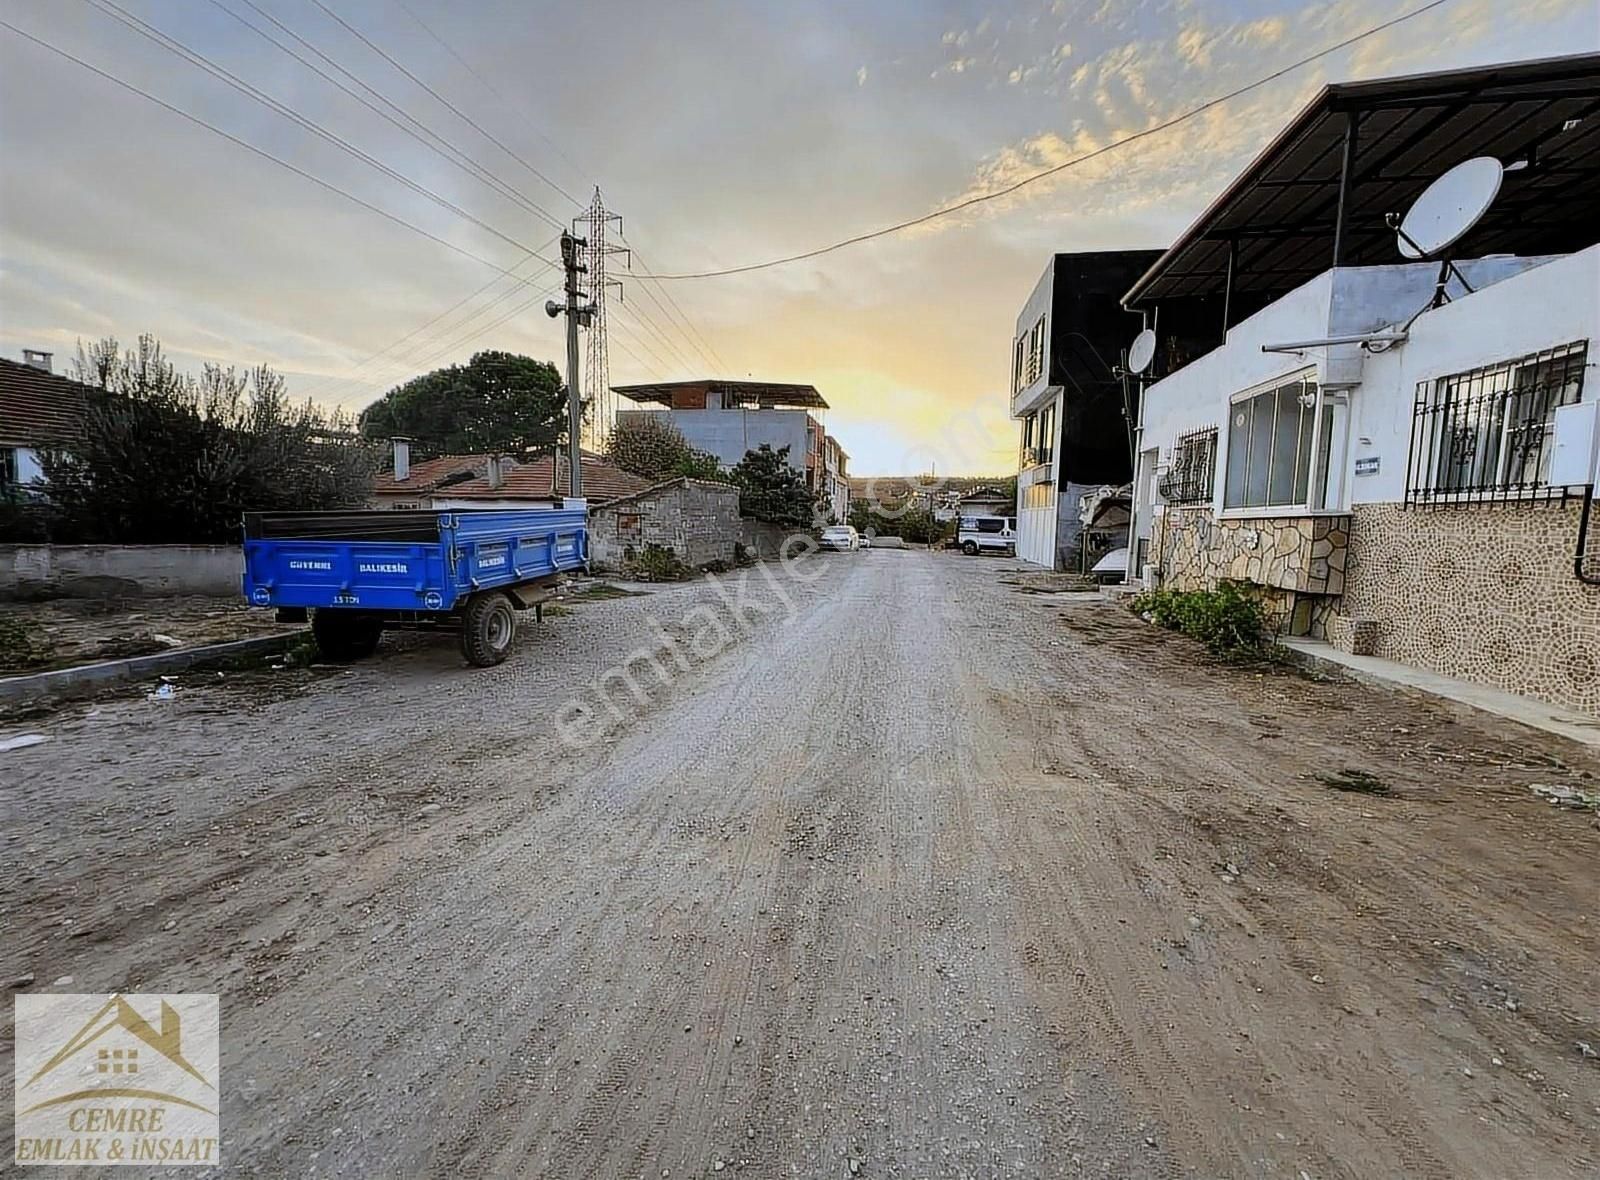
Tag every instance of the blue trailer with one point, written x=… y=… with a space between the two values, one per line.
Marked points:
x=360 y=573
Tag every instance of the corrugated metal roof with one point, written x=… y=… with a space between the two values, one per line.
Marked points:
x=1278 y=217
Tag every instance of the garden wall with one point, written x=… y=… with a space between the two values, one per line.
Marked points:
x=106 y=571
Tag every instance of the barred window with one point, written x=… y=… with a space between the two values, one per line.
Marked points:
x=1485 y=434
x=1191 y=473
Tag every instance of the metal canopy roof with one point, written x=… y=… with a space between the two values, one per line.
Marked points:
x=765 y=394
x=1280 y=221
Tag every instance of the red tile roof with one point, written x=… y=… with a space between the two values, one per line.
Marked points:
x=36 y=407
x=602 y=481
x=428 y=474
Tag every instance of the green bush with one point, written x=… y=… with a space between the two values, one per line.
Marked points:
x=22 y=647
x=656 y=563
x=1227 y=620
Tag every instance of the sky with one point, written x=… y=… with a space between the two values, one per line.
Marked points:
x=722 y=133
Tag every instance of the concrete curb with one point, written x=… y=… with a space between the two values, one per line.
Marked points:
x=62 y=681
x=1389 y=675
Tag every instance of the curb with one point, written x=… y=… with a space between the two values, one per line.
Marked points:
x=65 y=680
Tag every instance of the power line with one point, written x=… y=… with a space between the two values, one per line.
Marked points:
x=403 y=356
x=710 y=354
x=441 y=99
x=947 y=210
x=179 y=49
x=494 y=90
x=433 y=142
x=262 y=152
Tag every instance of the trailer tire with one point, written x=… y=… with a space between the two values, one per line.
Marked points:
x=488 y=628
x=343 y=636
x=970 y=548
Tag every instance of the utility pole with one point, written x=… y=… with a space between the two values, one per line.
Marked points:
x=576 y=313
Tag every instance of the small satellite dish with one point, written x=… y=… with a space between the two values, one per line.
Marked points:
x=1142 y=351
x=1449 y=207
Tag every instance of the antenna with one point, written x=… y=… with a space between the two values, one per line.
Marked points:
x=1444 y=214
x=1142 y=351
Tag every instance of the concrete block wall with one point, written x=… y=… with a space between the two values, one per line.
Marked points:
x=107 y=571
x=696 y=519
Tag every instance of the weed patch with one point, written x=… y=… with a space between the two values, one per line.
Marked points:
x=1227 y=620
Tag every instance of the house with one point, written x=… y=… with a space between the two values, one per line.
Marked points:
x=409 y=484
x=516 y=486
x=727 y=419
x=37 y=409
x=696 y=519
x=984 y=501
x=1069 y=392
x=1382 y=449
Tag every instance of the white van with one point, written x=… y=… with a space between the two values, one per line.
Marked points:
x=980 y=534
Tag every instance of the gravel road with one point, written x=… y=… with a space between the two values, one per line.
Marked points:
x=901 y=871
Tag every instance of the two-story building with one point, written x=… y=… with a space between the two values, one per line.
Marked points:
x=726 y=419
x=1391 y=455
x=1068 y=392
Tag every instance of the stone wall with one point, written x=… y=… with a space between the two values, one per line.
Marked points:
x=1481 y=592
x=696 y=519
x=1305 y=554
x=119 y=571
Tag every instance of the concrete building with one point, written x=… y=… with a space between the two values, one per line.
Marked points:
x=1067 y=394
x=37 y=409
x=1397 y=474
x=726 y=419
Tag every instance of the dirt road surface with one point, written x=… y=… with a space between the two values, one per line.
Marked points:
x=919 y=875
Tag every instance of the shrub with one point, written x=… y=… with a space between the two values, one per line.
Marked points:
x=21 y=646
x=656 y=563
x=1227 y=620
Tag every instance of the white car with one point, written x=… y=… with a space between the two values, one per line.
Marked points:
x=841 y=537
x=987 y=534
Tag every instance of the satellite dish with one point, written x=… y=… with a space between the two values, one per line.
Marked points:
x=1142 y=351
x=1449 y=207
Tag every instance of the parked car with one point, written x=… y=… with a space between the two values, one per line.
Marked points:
x=981 y=534
x=841 y=537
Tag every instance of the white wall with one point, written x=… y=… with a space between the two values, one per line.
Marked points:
x=1557 y=303
x=1196 y=396
x=1519 y=305
x=1036 y=527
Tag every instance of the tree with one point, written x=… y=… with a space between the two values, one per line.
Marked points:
x=771 y=490
x=649 y=445
x=167 y=458
x=497 y=401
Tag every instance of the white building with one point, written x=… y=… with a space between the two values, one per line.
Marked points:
x=1385 y=467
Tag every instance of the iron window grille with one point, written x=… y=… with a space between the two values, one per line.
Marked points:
x=1190 y=477
x=1484 y=435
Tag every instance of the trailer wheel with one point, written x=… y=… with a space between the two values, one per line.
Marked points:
x=488 y=626
x=970 y=548
x=344 y=636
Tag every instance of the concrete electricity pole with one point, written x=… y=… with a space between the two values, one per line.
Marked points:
x=576 y=314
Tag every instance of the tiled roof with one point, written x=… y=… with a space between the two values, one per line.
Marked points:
x=428 y=474
x=602 y=481
x=37 y=407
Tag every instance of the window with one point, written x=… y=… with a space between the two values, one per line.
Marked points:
x=1044 y=435
x=1039 y=495
x=8 y=467
x=1027 y=361
x=1270 y=439
x=1191 y=473
x=1485 y=434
